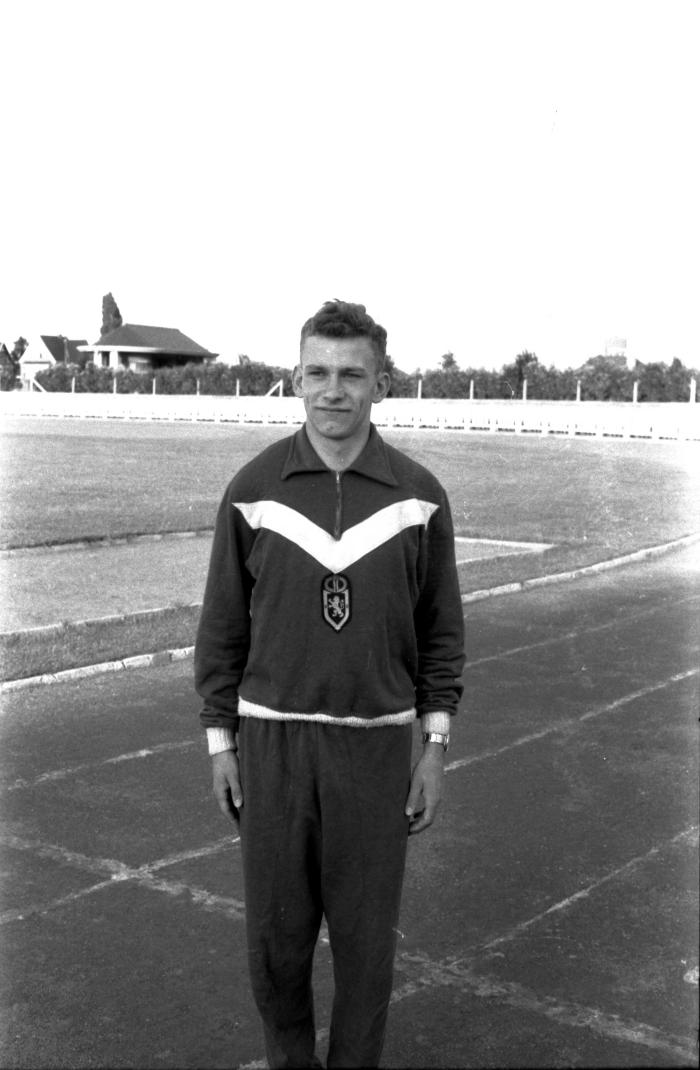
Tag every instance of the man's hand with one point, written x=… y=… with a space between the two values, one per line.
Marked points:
x=426 y=788
x=227 y=784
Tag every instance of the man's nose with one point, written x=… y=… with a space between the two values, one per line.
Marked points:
x=334 y=386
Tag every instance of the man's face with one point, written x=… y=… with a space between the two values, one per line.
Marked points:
x=338 y=380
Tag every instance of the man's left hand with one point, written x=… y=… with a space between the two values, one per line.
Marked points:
x=426 y=788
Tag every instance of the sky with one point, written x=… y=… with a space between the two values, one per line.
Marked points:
x=486 y=177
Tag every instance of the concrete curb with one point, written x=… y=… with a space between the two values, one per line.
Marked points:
x=139 y=661
x=54 y=631
x=165 y=657
x=100 y=543
x=586 y=570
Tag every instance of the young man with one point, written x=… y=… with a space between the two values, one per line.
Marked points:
x=331 y=620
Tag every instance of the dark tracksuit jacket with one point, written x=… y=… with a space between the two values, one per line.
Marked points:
x=332 y=600
x=331 y=596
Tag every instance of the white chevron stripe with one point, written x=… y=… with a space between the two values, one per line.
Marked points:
x=355 y=543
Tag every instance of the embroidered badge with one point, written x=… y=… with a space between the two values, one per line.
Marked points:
x=335 y=591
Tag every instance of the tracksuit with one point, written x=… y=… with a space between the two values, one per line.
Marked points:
x=331 y=606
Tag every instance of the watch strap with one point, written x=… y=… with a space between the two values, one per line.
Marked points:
x=437 y=737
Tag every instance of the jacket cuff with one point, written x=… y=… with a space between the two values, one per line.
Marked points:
x=436 y=721
x=220 y=739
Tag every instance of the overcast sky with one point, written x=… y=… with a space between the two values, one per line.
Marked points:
x=485 y=176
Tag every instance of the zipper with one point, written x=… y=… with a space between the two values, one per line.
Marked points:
x=337 y=527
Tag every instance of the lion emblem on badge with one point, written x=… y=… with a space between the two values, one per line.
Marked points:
x=335 y=592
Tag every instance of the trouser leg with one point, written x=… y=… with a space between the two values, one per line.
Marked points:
x=279 y=841
x=364 y=781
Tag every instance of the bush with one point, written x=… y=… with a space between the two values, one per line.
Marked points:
x=8 y=378
x=602 y=379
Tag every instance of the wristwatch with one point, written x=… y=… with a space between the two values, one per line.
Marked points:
x=436 y=737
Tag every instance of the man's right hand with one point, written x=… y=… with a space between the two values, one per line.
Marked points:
x=227 y=784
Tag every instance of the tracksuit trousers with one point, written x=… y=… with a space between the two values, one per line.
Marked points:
x=323 y=832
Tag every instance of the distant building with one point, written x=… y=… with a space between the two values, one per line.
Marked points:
x=617 y=347
x=144 y=349
x=45 y=351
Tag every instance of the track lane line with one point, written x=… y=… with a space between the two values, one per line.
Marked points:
x=689 y=835
x=611 y=1026
x=73 y=770
x=552 y=640
x=147 y=752
x=572 y=722
x=119 y=872
x=450 y=972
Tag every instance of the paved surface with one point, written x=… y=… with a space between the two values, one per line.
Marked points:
x=549 y=919
x=38 y=586
x=77 y=605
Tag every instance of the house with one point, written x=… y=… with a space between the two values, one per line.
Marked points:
x=144 y=349
x=45 y=351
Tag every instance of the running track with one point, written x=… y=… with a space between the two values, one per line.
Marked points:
x=549 y=918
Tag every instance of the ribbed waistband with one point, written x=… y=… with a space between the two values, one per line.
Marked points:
x=253 y=709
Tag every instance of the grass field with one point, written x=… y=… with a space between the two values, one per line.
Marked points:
x=68 y=480
x=591 y=499
x=76 y=479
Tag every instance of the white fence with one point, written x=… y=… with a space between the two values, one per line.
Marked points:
x=650 y=420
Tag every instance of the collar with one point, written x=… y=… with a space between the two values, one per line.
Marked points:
x=373 y=462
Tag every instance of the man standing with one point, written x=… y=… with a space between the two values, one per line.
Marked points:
x=331 y=620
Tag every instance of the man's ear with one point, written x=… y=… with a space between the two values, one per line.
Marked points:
x=382 y=387
x=296 y=382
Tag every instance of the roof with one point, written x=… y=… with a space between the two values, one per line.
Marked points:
x=169 y=339
x=54 y=344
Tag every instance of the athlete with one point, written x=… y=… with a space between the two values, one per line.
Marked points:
x=331 y=622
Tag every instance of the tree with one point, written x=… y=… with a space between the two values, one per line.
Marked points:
x=111 y=316
x=523 y=362
x=18 y=349
x=679 y=380
x=606 y=378
x=403 y=385
x=448 y=381
x=10 y=369
x=653 y=381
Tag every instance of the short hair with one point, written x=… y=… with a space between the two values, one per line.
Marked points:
x=342 y=319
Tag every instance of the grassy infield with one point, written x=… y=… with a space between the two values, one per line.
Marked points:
x=594 y=499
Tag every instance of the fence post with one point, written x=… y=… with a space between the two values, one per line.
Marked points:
x=471 y=389
x=635 y=392
x=114 y=384
x=693 y=391
x=419 y=393
x=72 y=385
x=578 y=389
x=524 y=389
x=276 y=386
x=153 y=388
